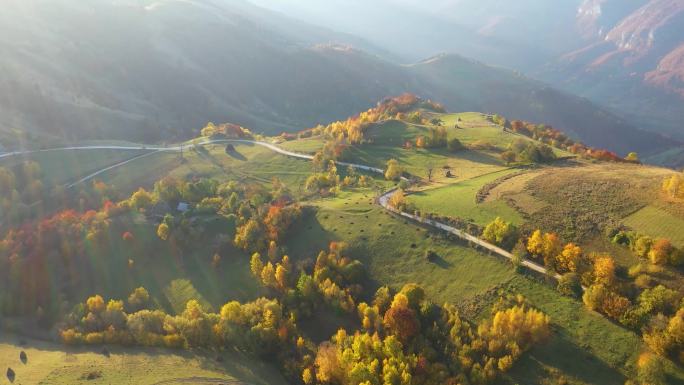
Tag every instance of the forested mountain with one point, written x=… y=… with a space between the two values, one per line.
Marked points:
x=156 y=70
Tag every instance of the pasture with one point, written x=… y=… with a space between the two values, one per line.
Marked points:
x=458 y=200
x=54 y=364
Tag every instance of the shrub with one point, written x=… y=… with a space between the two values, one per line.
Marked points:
x=569 y=285
x=455 y=145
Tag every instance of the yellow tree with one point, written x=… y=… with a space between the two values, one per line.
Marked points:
x=604 y=270
x=393 y=171
x=256 y=265
x=281 y=277
x=398 y=200
x=660 y=252
x=95 y=304
x=569 y=258
x=163 y=231
x=268 y=275
x=535 y=243
x=551 y=246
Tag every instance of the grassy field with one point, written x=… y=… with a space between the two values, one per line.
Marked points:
x=586 y=347
x=458 y=200
x=657 y=222
x=52 y=364
x=393 y=250
x=248 y=163
x=64 y=166
x=172 y=277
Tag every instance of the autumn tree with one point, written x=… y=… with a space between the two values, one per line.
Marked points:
x=163 y=231
x=568 y=260
x=604 y=270
x=535 y=243
x=632 y=157
x=250 y=236
x=400 y=319
x=501 y=233
x=139 y=299
x=660 y=252
x=398 y=200
x=393 y=170
x=256 y=265
x=141 y=199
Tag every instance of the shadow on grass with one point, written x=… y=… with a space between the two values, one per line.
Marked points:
x=562 y=358
x=236 y=155
x=441 y=262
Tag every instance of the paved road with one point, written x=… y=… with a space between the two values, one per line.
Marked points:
x=383 y=200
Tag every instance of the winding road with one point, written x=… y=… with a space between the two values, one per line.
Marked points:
x=383 y=200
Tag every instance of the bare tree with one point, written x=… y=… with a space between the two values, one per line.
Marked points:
x=430 y=168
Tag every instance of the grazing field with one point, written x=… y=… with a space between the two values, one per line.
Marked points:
x=463 y=165
x=53 y=364
x=65 y=166
x=458 y=200
x=584 y=200
x=394 y=250
x=171 y=276
x=247 y=163
x=656 y=222
x=306 y=145
x=586 y=347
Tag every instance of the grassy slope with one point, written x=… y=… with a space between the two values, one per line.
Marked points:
x=172 y=277
x=657 y=222
x=52 y=364
x=394 y=249
x=458 y=200
x=248 y=163
x=61 y=167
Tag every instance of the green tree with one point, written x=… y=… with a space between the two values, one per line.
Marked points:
x=455 y=145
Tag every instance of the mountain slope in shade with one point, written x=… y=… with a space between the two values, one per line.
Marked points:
x=517 y=97
x=159 y=71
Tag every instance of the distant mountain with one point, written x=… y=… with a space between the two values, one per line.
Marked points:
x=623 y=54
x=160 y=70
x=631 y=60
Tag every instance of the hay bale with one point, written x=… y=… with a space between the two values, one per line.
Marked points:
x=11 y=375
x=23 y=357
